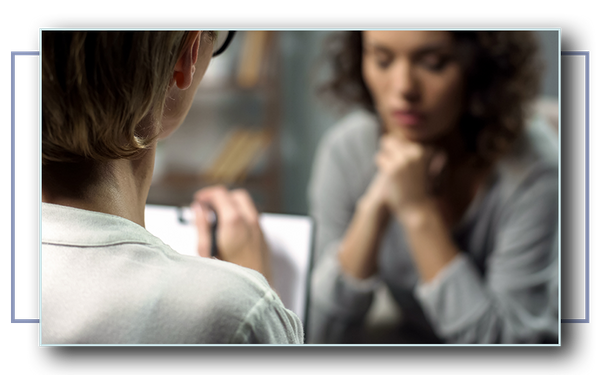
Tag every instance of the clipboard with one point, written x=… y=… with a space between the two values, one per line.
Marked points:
x=290 y=239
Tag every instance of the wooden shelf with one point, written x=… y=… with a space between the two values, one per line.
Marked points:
x=177 y=189
x=246 y=101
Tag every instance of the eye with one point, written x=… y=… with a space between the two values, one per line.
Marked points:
x=382 y=59
x=383 y=63
x=434 y=62
x=380 y=56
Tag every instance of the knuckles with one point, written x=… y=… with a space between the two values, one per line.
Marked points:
x=232 y=219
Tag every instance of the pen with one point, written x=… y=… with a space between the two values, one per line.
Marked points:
x=212 y=221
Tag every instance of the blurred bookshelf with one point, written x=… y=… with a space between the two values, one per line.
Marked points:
x=231 y=134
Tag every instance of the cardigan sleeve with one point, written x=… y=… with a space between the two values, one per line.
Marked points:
x=337 y=300
x=516 y=301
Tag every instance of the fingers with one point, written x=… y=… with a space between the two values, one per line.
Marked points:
x=239 y=235
x=395 y=151
x=245 y=205
x=235 y=210
x=404 y=164
x=383 y=161
x=222 y=201
x=229 y=204
x=398 y=152
x=203 y=227
x=217 y=197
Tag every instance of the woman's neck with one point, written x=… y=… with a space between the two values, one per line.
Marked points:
x=117 y=187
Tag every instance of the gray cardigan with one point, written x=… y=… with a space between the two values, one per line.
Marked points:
x=502 y=288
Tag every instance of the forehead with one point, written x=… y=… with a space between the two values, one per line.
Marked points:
x=407 y=41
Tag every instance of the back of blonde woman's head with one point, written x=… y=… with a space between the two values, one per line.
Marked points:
x=98 y=86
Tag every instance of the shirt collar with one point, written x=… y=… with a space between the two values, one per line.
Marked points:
x=63 y=225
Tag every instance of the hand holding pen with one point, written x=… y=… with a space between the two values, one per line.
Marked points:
x=237 y=237
x=204 y=212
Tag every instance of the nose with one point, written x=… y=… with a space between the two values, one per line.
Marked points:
x=405 y=82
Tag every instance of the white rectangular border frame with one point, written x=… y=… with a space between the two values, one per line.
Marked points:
x=15 y=54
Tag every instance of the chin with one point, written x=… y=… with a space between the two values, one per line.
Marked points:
x=423 y=133
x=415 y=136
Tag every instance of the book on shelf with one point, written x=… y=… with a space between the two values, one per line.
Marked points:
x=253 y=54
x=237 y=156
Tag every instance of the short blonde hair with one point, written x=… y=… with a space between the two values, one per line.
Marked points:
x=98 y=86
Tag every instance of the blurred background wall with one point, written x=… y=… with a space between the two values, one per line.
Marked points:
x=257 y=120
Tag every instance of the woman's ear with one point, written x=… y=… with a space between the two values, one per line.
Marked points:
x=186 y=64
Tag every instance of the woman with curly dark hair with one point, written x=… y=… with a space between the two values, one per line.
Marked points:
x=443 y=190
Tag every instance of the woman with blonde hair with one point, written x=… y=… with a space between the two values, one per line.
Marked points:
x=442 y=189
x=107 y=97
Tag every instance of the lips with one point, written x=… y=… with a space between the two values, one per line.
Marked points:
x=408 y=118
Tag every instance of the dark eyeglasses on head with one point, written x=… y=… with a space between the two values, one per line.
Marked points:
x=222 y=41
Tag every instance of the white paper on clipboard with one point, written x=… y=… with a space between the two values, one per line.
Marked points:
x=289 y=237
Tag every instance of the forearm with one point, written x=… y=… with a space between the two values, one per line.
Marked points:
x=358 y=250
x=429 y=239
x=510 y=294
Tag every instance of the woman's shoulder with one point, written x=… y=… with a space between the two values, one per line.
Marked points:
x=344 y=158
x=358 y=130
x=532 y=161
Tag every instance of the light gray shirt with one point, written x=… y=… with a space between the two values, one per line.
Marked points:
x=107 y=280
x=501 y=288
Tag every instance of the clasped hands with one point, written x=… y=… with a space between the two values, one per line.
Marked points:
x=405 y=169
x=400 y=187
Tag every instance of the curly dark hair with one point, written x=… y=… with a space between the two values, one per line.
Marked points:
x=502 y=73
